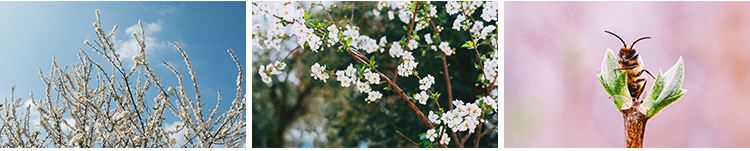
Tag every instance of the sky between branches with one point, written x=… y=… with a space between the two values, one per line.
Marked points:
x=32 y=32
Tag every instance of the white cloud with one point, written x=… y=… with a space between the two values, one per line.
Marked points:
x=179 y=136
x=129 y=47
x=34 y=114
x=167 y=9
x=71 y=122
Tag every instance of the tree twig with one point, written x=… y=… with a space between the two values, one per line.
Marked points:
x=402 y=135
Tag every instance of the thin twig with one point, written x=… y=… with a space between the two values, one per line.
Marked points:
x=402 y=135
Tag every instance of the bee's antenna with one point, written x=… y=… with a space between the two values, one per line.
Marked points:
x=631 y=46
x=618 y=37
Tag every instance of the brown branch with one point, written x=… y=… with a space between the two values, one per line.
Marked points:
x=428 y=90
x=466 y=137
x=402 y=135
x=329 y=15
x=635 y=126
x=488 y=131
x=408 y=37
x=350 y=20
x=475 y=48
x=362 y=59
x=479 y=129
x=450 y=90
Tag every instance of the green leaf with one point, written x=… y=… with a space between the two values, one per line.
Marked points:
x=347 y=42
x=667 y=89
x=484 y=42
x=614 y=80
x=306 y=16
x=425 y=143
x=468 y=44
x=309 y=24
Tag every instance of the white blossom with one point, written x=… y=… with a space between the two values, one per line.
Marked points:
x=452 y=7
x=486 y=31
x=373 y=78
x=446 y=49
x=434 y=118
x=413 y=44
x=428 y=38
x=431 y=134
x=318 y=72
x=396 y=50
x=457 y=23
x=373 y=95
x=426 y=82
x=421 y=97
x=362 y=87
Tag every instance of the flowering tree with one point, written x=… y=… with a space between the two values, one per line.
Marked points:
x=456 y=123
x=112 y=109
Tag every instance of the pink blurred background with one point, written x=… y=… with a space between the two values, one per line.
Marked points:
x=553 y=51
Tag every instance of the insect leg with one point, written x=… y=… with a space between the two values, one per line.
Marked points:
x=649 y=73
x=640 y=90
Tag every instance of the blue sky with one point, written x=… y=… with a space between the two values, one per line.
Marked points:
x=32 y=32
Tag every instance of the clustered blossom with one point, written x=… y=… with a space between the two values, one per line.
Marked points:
x=349 y=76
x=406 y=67
x=270 y=69
x=426 y=82
x=318 y=72
x=284 y=10
x=477 y=28
x=305 y=35
x=458 y=24
x=346 y=77
x=491 y=67
x=371 y=77
x=486 y=31
x=272 y=43
x=487 y=100
x=434 y=118
x=489 y=11
x=373 y=95
x=363 y=87
x=396 y=50
x=279 y=12
x=333 y=34
x=432 y=9
x=434 y=133
x=462 y=118
x=446 y=49
x=343 y=79
x=404 y=13
x=452 y=7
x=361 y=42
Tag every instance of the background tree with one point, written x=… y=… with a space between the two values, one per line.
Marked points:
x=348 y=120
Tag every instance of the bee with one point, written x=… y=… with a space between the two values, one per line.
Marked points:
x=631 y=62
